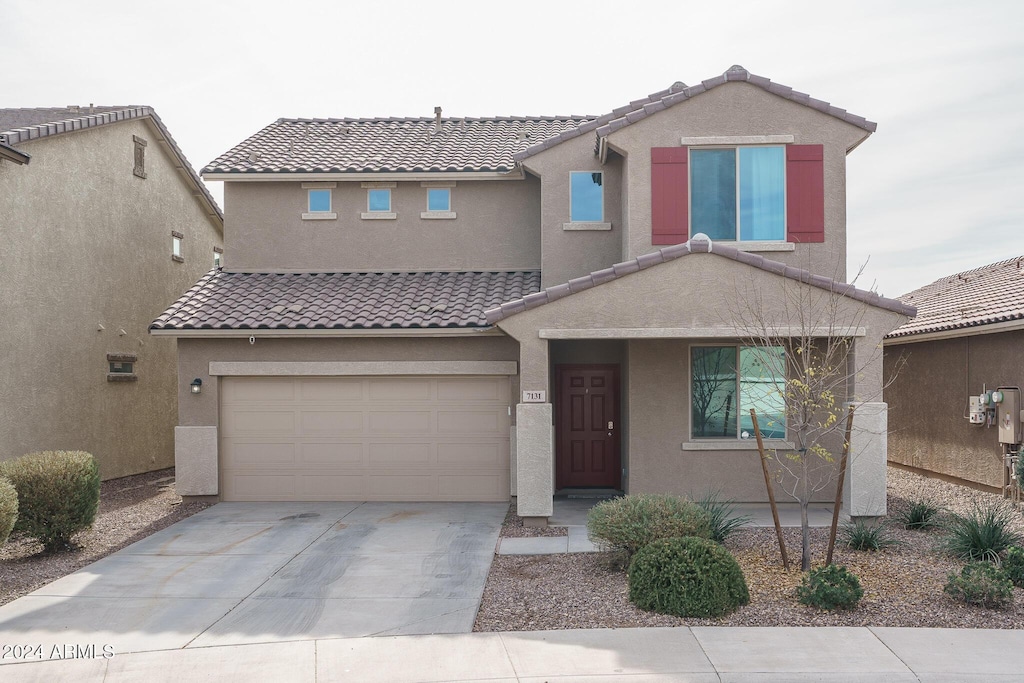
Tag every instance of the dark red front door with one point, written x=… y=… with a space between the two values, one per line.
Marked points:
x=587 y=426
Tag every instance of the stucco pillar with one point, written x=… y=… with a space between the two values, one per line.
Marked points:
x=195 y=461
x=864 y=492
x=534 y=459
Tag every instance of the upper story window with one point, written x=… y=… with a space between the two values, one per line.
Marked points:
x=727 y=381
x=439 y=199
x=218 y=257
x=378 y=201
x=586 y=197
x=176 y=240
x=319 y=201
x=768 y=193
x=738 y=193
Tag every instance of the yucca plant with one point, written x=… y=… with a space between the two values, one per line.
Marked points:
x=984 y=534
x=864 y=536
x=922 y=515
x=722 y=517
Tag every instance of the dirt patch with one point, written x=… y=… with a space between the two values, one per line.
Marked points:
x=513 y=527
x=131 y=508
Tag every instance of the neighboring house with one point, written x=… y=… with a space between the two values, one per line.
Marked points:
x=102 y=222
x=427 y=308
x=968 y=337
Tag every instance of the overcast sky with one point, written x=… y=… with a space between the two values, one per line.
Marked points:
x=938 y=189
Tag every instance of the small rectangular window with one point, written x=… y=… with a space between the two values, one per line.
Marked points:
x=439 y=199
x=727 y=381
x=140 y=157
x=319 y=201
x=216 y=258
x=378 y=200
x=176 y=253
x=121 y=367
x=586 y=198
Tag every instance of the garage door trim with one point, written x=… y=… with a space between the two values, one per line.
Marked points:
x=343 y=368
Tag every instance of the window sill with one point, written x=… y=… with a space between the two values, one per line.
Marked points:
x=378 y=216
x=438 y=215
x=734 y=445
x=319 y=216
x=122 y=377
x=763 y=246
x=177 y=259
x=586 y=226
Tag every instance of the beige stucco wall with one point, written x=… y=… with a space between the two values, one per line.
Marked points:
x=497 y=228
x=741 y=109
x=567 y=253
x=699 y=291
x=928 y=429
x=86 y=244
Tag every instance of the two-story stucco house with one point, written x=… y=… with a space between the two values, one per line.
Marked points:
x=473 y=309
x=102 y=222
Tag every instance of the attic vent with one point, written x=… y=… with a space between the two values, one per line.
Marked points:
x=677 y=86
x=254 y=157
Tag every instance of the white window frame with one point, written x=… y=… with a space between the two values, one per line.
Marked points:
x=379 y=215
x=587 y=225
x=218 y=258
x=438 y=215
x=752 y=245
x=309 y=214
x=177 y=247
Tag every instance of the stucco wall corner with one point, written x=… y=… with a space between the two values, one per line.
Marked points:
x=534 y=458
x=864 y=493
x=195 y=461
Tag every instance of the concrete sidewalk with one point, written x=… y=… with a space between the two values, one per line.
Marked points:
x=698 y=654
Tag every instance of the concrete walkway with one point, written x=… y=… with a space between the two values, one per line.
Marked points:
x=695 y=655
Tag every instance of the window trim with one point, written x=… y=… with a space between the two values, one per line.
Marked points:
x=177 y=246
x=122 y=358
x=697 y=442
x=310 y=214
x=600 y=222
x=379 y=215
x=737 y=240
x=218 y=257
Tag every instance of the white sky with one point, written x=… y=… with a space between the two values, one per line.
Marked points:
x=937 y=190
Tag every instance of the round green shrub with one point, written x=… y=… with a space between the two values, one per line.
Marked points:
x=1013 y=565
x=980 y=583
x=686 y=577
x=628 y=523
x=58 y=495
x=829 y=588
x=8 y=508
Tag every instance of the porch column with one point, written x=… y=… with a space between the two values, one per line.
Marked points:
x=864 y=493
x=534 y=447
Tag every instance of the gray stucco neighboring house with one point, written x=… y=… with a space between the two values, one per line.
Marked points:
x=968 y=337
x=448 y=308
x=102 y=222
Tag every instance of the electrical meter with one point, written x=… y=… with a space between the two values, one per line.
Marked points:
x=976 y=412
x=1008 y=415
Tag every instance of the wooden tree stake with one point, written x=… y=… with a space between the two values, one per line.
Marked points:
x=771 y=492
x=839 y=487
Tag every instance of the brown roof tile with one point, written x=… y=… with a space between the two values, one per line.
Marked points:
x=983 y=296
x=698 y=244
x=296 y=301
x=389 y=145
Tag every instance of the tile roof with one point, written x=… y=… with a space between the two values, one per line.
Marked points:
x=389 y=145
x=699 y=243
x=983 y=296
x=306 y=301
x=680 y=92
x=20 y=125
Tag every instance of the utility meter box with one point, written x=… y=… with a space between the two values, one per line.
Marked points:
x=977 y=411
x=1008 y=416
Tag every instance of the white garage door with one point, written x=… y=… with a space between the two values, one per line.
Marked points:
x=424 y=438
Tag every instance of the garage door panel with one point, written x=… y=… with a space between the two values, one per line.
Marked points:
x=416 y=438
x=471 y=389
x=331 y=422
x=266 y=422
x=400 y=389
x=472 y=421
x=330 y=389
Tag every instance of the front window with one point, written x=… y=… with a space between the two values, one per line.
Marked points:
x=586 y=197
x=738 y=193
x=727 y=381
x=319 y=201
x=378 y=200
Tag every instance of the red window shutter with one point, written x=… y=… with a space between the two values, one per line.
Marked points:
x=805 y=193
x=670 y=205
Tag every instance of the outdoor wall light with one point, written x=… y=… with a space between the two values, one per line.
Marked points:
x=197 y=386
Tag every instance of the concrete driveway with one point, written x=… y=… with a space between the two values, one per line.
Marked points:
x=262 y=572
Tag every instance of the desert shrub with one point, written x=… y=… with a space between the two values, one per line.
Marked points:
x=922 y=515
x=1013 y=565
x=983 y=534
x=628 y=523
x=829 y=588
x=686 y=577
x=58 y=494
x=980 y=583
x=8 y=508
x=722 y=518
x=864 y=536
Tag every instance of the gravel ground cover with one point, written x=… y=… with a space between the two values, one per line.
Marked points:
x=902 y=585
x=131 y=508
x=513 y=527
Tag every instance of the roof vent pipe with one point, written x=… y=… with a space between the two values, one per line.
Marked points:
x=437 y=119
